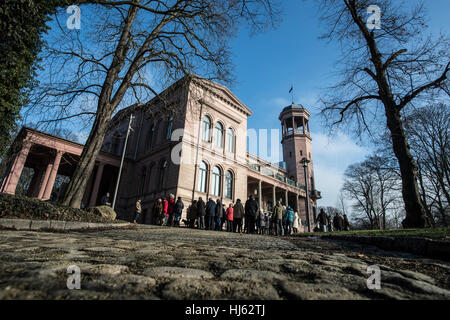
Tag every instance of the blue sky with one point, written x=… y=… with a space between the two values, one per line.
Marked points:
x=268 y=63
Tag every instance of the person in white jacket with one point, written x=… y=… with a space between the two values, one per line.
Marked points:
x=296 y=222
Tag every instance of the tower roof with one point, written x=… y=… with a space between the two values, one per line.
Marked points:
x=294 y=107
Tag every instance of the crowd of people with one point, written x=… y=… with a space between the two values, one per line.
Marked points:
x=218 y=216
x=248 y=218
x=325 y=223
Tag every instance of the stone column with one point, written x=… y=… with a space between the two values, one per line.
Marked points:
x=274 y=196
x=260 y=195
x=304 y=125
x=286 y=197
x=45 y=180
x=33 y=190
x=293 y=124
x=13 y=177
x=98 y=179
x=52 y=177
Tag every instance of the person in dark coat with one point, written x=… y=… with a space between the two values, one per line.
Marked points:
x=158 y=215
x=338 y=222
x=219 y=215
x=106 y=201
x=201 y=212
x=177 y=212
x=277 y=217
x=323 y=220
x=192 y=214
x=210 y=214
x=251 y=211
x=238 y=214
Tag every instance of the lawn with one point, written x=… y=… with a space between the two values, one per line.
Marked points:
x=437 y=233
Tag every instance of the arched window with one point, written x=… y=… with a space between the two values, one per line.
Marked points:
x=216 y=181
x=230 y=140
x=151 y=133
x=202 y=176
x=206 y=129
x=162 y=174
x=169 y=129
x=218 y=135
x=229 y=185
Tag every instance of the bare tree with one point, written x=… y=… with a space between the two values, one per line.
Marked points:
x=385 y=70
x=126 y=51
x=373 y=188
x=428 y=130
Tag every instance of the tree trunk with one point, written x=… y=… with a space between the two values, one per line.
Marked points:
x=77 y=186
x=415 y=213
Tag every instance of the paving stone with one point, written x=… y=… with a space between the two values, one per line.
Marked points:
x=309 y=291
x=253 y=275
x=176 y=272
x=182 y=289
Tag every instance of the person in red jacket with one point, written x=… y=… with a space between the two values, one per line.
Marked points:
x=165 y=208
x=171 y=205
x=229 y=217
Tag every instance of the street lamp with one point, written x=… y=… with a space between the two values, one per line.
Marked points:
x=305 y=162
x=122 y=160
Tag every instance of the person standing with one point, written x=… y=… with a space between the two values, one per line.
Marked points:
x=138 y=211
x=192 y=214
x=238 y=214
x=296 y=222
x=170 y=210
x=230 y=217
x=338 y=222
x=218 y=216
x=261 y=223
x=290 y=219
x=201 y=212
x=210 y=214
x=323 y=220
x=165 y=211
x=158 y=212
x=178 y=211
x=278 y=218
x=251 y=211
x=285 y=220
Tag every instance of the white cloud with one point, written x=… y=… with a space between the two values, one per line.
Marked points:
x=332 y=155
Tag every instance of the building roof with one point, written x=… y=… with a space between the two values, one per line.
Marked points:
x=294 y=107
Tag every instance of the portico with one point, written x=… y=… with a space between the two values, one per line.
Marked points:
x=49 y=157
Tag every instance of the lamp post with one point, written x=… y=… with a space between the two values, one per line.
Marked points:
x=122 y=160
x=305 y=162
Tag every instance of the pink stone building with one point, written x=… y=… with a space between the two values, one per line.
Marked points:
x=191 y=141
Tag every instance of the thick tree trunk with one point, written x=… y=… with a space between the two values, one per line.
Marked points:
x=77 y=186
x=415 y=213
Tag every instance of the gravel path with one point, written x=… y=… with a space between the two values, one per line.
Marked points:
x=165 y=263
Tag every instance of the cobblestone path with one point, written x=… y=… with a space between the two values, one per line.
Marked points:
x=165 y=263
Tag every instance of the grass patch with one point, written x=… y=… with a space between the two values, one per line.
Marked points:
x=437 y=233
x=21 y=207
